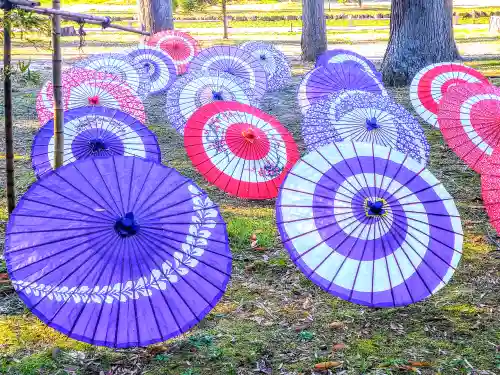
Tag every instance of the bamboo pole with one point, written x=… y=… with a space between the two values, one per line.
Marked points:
x=85 y=18
x=57 y=84
x=9 y=146
x=224 y=18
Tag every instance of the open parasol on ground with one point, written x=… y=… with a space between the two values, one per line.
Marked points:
x=369 y=224
x=198 y=88
x=235 y=61
x=274 y=61
x=91 y=132
x=324 y=80
x=363 y=117
x=118 y=251
x=490 y=186
x=240 y=149
x=433 y=81
x=86 y=87
x=129 y=70
x=180 y=46
x=159 y=66
x=336 y=56
x=469 y=118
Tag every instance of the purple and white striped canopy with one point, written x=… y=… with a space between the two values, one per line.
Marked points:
x=336 y=56
x=369 y=224
x=94 y=131
x=324 y=80
x=159 y=66
x=235 y=61
x=359 y=116
x=118 y=251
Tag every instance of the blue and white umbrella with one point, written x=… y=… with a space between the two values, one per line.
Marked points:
x=363 y=117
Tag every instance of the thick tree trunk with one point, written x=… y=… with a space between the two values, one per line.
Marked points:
x=313 y=29
x=156 y=15
x=421 y=34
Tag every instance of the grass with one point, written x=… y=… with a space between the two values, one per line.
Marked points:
x=272 y=316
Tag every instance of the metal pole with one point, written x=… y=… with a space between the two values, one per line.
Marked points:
x=7 y=87
x=56 y=80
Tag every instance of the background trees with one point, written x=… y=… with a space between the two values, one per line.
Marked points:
x=421 y=34
x=313 y=40
x=156 y=15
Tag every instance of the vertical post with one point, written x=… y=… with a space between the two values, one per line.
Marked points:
x=224 y=18
x=7 y=71
x=329 y=4
x=56 y=80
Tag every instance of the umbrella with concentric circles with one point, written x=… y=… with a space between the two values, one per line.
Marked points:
x=198 y=88
x=159 y=66
x=338 y=55
x=469 y=118
x=490 y=188
x=370 y=225
x=86 y=87
x=91 y=132
x=432 y=82
x=274 y=62
x=363 y=117
x=324 y=80
x=129 y=70
x=118 y=251
x=235 y=61
x=240 y=149
x=180 y=46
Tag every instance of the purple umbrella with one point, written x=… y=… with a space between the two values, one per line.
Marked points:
x=363 y=117
x=234 y=61
x=322 y=81
x=336 y=56
x=195 y=89
x=159 y=66
x=94 y=131
x=118 y=251
x=369 y=224
x=274 y=61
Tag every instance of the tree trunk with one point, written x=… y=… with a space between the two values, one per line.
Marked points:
x=156 y=15
x=313 y=29
x=224 y=18
x=421 y=33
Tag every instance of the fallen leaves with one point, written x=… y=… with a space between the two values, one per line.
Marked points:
x=336 y=325
x=327 y=365
x=337 y=347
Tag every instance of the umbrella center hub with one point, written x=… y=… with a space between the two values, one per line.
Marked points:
x=217 y=95
x=97 y=145
x=375 y=208
x=249 y=135
x=263 y=57
x=126 y=226
x=94 y=100
x=371 y=124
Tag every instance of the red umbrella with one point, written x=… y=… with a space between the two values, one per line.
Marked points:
x=240 y=149
x=181 y=47
x=469 y=118
x=85 y=87
x=490 y=184
x=432 y=82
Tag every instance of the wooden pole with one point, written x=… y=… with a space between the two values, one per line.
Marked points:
x=57 y=84
x=224 y=18
x=7 y=86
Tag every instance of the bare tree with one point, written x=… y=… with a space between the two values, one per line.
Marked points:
x=224 y=18
x=156 y=15
x=421 y=34
x=313 y=29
